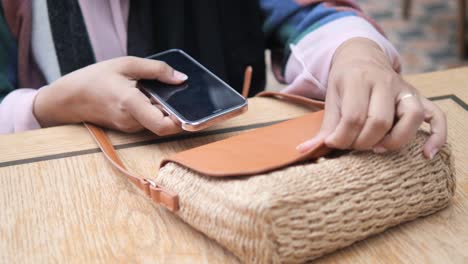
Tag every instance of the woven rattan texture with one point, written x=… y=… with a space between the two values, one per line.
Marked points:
x=303 y=212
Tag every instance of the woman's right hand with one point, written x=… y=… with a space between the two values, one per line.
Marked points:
x=105 y=94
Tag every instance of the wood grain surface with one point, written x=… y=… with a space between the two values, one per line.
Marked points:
x=61 y=202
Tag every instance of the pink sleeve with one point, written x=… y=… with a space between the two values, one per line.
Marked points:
x=16 y=111
x=310 y=60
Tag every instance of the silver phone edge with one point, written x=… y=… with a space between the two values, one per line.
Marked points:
x=200 y=124
x=211 y=120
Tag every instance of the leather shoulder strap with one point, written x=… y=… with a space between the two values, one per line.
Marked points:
x=296 y=99
x=157 y=193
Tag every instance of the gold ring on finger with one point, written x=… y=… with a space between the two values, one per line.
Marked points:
x=406 y=96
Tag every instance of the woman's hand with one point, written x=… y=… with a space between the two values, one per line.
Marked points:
x=369 y=106
x=105 y=94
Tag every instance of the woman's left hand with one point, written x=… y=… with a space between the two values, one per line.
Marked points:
x=370 y=106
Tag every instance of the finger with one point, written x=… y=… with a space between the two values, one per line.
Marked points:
x=410 y=117
x=355 y=103
x=140 y=107
x=330 y=121
x=126 y=124
x=379 y=119
x=140 y=68
x=436 y=118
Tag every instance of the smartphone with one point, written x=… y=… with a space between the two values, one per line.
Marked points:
x=201 y=101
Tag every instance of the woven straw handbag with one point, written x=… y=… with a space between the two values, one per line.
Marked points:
x=304 y=211
x=262 y=200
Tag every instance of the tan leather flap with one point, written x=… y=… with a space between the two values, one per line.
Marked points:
x=257 y=151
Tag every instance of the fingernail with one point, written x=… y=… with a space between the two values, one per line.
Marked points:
x=379 y=150
x=309 y=144
x=180 y=76
x=433 y=153
x=301 y=147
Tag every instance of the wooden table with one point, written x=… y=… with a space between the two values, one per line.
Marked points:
x=61 y=201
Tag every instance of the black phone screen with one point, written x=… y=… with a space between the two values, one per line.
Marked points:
x=202 y=95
